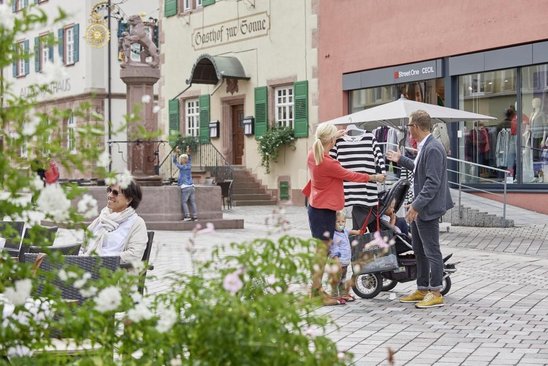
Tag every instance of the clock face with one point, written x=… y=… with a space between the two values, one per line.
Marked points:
x=97 y=34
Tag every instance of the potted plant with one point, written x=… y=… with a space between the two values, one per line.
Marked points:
x=271 y=142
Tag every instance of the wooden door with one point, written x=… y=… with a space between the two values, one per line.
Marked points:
x=237 y=134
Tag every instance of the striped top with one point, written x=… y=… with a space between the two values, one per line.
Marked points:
x=360 y=154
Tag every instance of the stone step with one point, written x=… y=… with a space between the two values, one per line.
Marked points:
x=475 y=218
x=251 y=196
x=254 y=203
x=191 y=225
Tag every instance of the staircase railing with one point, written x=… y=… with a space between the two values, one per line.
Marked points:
x=205 y=156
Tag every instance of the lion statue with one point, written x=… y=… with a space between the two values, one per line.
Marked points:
x=138 y=34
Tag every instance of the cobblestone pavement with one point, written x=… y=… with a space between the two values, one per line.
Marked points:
x=496 y=312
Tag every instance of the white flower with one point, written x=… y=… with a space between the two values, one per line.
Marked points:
x=340 y=355
x=108 y=299
x=37 y=183
x=62 y=275
x=156 y=109
x=89 y=292
x=29 y=127
x=139 y=312
x=137 y=354
x=232 y=282
x=312 y=332
x=21 y=292
x=124 y=179
x=19 y=351
x=145 y=99
x=326 y=234
x=52 y=72
x=88 y=206
x=7 y=17
x=40 y=309
x=82 y=281
x=167 y=317
x=110 y=181
x=103 y=160
x=53 y=202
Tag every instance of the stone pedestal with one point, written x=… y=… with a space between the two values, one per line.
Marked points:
x=140 y=79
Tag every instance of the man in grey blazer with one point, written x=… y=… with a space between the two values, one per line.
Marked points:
x=432 y=200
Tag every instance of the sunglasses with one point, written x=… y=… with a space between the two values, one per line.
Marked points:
x=115 y=192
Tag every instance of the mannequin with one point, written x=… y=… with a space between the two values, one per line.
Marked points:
x=528 y=174
x=538 y=128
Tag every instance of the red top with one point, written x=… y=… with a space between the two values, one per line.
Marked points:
x=325 y=187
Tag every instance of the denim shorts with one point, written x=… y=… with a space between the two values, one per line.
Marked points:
x=321 y=221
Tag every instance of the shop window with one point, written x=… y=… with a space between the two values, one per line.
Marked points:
x=192 y=117
x=283 y=106
x=492 y=143
x=534 y=95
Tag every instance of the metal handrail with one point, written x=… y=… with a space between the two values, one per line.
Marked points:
x=206 y=157
x=462 y=173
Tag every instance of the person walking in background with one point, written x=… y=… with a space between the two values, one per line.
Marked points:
x=51 y=175
x=184 y=164
x=341 y=252
x=325 y=197
x=431 y=200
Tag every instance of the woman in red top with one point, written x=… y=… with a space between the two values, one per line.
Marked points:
x=326 y=196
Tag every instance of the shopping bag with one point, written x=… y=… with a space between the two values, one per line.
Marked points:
x=368 y=257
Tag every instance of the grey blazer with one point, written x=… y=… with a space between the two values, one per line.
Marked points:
x=432 y=196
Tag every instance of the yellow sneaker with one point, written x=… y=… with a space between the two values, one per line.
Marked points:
x=414 y=297
x=430 y=301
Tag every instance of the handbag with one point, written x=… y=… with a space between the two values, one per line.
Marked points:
x=372 y=258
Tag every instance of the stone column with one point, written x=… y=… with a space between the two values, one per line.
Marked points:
x=140 y=79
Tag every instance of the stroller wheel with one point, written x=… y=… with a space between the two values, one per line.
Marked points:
x=446 y=285
x=387 y=284
x=367 y=285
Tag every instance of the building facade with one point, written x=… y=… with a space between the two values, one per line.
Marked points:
x=233 y=70
x=91 y=74
x=489 y=57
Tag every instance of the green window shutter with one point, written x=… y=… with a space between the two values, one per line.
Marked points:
x=60 y=44
x=301 y=108
x=170 y=8
x=174 y=121
x=208 y=2
x=76 y=43
x=37 y=54
x=204 y=119
x=261 y=111
x=27 y=54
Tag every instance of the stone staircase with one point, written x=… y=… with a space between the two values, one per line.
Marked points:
x=248 y=191
x=475 y=218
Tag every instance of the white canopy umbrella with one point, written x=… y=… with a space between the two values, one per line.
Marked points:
x=392 y=113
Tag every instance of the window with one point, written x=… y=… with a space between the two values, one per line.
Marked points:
x=43 y=51
x=187 y=5
x=21 y=66
x=19 y=5
x=283 y=106
x=198 y=3
x=71 y=134
x=69 y=46
x=192 y=117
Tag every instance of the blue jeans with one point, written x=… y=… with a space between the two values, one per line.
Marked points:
x=426 y=245
x=188 y=196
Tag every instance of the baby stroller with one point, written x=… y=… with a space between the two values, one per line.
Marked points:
x=368 y=284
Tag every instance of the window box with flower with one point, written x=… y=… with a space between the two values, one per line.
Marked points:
x=272 y=141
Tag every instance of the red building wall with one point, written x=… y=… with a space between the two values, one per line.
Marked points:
x=359 y=35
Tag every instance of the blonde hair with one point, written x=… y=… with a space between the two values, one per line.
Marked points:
x=340 y=214
x=325 y=133
x=183 y=156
